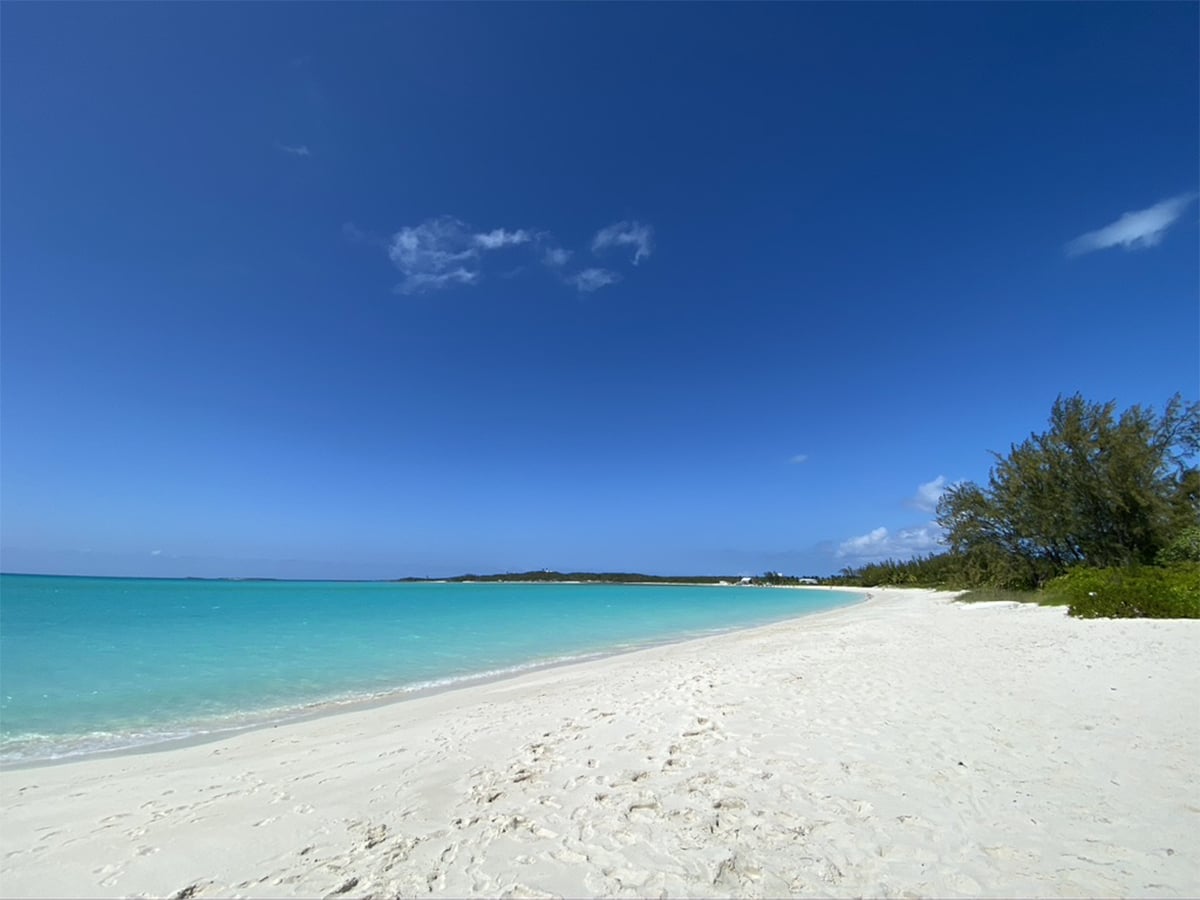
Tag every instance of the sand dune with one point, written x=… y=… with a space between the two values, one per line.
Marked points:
x=909 y=746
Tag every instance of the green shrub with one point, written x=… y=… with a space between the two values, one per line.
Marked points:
x=1185 y=548
x=1154 y=593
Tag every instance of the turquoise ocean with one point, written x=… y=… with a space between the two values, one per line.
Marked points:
x=95 y=664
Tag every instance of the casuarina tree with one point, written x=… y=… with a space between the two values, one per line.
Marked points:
x=1095 y=488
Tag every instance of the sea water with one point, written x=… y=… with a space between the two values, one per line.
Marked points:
x=95 y=664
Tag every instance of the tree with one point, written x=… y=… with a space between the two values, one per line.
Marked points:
x=1095 y=489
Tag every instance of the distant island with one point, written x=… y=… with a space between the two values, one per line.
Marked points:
x=551 y=576
x=541 y=575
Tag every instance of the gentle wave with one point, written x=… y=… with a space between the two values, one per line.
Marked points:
x=96 y=666
x=34 y=747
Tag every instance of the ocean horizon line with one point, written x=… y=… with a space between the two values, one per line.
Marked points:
x=513 y=577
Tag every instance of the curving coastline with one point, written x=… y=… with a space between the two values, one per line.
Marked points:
x=907 y=745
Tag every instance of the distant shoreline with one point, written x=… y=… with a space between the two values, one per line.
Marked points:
x=550 y=577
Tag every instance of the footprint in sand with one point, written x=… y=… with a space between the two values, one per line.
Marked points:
x=376 y=835
x=110 y=874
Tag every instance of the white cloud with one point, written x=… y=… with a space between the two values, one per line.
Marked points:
x=799 y=458
x=626 y=234
x=443 y=252
x=1143 y=228
x=420 y=282
x=928 y=494
x=593 y=279
x=294 y=150
x=437 y=253
x=497 y=238
x=881 y=544
x=156 y=553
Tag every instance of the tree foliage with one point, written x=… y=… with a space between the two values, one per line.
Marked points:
x=982 y=566
x=1095 y=489
x=1185 y=548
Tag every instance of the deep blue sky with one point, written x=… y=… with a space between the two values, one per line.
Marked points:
x=310 y=290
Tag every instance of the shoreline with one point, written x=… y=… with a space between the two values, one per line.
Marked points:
x=274 y=718
x=907 y=744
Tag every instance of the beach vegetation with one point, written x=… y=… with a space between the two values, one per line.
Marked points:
x=1100 y=512
x=1155 y=592
x=1183 y=549
x=1095 y=489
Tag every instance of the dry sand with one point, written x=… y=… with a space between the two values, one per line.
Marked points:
x=909 y=746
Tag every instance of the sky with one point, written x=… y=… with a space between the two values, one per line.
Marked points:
x=379 y=290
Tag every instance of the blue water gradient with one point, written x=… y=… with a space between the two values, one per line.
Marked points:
x=90 y=664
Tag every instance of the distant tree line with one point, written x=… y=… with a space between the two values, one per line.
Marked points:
x=1096 y=491
x=551 y=576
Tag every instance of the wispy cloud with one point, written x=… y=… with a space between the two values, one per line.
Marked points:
x=798 y=459
x=497 y=238
x=593 y=279
x=420 y=282
x=881 y=544
x=624 y=234
x=294 y=149
x=556 y=257
x=444 y=252
x=1134 y=230
x=435 y=254
x=928 y=494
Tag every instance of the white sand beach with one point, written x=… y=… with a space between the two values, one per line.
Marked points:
x=909 y=746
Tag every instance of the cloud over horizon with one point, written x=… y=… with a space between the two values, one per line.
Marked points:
x=881 y=544
x=1134 y=230
x=928 y=494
